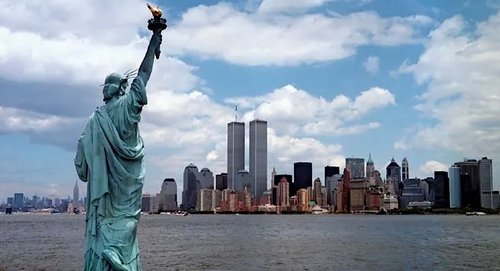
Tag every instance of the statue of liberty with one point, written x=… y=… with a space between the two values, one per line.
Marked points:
x=110 y=159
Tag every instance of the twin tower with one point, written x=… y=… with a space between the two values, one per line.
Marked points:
x=238 y=178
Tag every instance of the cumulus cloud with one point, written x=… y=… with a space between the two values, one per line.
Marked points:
x=460 y=70
x=284 y=150
x=297 y=112
x=371 y=64
x=429 y=167
x=223 y=32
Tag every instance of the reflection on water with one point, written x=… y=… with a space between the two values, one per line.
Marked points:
x=266 y=242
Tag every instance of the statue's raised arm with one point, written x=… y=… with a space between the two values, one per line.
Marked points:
x=146 y=67
x=156 y=24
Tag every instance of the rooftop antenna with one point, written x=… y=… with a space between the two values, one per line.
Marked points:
x=236 y=113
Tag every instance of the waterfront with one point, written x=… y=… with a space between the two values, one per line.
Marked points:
x=267 y=242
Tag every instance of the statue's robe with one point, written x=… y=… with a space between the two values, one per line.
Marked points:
x=110 y=159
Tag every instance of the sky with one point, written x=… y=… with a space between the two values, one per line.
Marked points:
x=333 y=79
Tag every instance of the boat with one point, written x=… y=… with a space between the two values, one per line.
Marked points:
x=474 y=213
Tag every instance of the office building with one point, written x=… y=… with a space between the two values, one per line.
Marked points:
x=470 y=190
x=331 y=184
x=76 y=196
x=221 y=181
x=288 y=177
x=235 y=151
x=317 y=195
x=455 y=194
x=167 y=200
x=18 y=200
x=356 y=167
x=302 y=175
x=206 y=178
x=242 y=180
x=393 y=175
x=486 y=182
x=282 y=194
x=330 y=171
x=258 y=157
x=204 y=203
x=358 y=188
x=405 y=169
x=344 y=193
x=370 y=169
x=413 y=191
x=191 y=186
x=148 y=203
x=441 y=189
x=303 y=200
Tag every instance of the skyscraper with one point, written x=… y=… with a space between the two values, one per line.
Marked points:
x=235 y=151
x=486 y=182
x=168 y=195
x=76 y=195
x=221 y=181
x=206 y=178
x=241 y=180
x=317 y=195
x=330 y=171
x=258 y=156
x=470 y=191
x=406 y=169
x=393 y=174
x=441 y=189
x=191 y=186
x=331 y=184
x=370 y=167
x=283 y=196
x=455 y=195
x=356 y=167
x=148 y=203
x=18 y=200
x=302 y=175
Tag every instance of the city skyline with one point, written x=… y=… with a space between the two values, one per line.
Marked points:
x=467 y=184
x=333 y=79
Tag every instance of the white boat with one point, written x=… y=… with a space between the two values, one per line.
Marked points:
x=475 y=213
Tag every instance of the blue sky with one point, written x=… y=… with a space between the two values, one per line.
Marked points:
x=334 y=79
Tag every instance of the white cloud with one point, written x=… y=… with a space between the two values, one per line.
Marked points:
x=285 y=150
x=57 y=45
x=371 y=64
x=280 y=6
x=428 y=168
x=17 y=120
x=297 y=112
x=461 y=71
x=223 y=32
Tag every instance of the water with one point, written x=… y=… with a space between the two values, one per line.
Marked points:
x=267 y=242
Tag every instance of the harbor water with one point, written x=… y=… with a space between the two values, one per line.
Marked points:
x=266 y=242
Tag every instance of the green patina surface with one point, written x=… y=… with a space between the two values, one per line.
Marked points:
x=110 y=159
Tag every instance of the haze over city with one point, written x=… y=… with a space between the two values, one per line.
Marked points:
x=333 y=79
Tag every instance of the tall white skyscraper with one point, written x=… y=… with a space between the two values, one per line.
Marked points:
x=258 y=156
x=235 y=151
x=405 y=169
